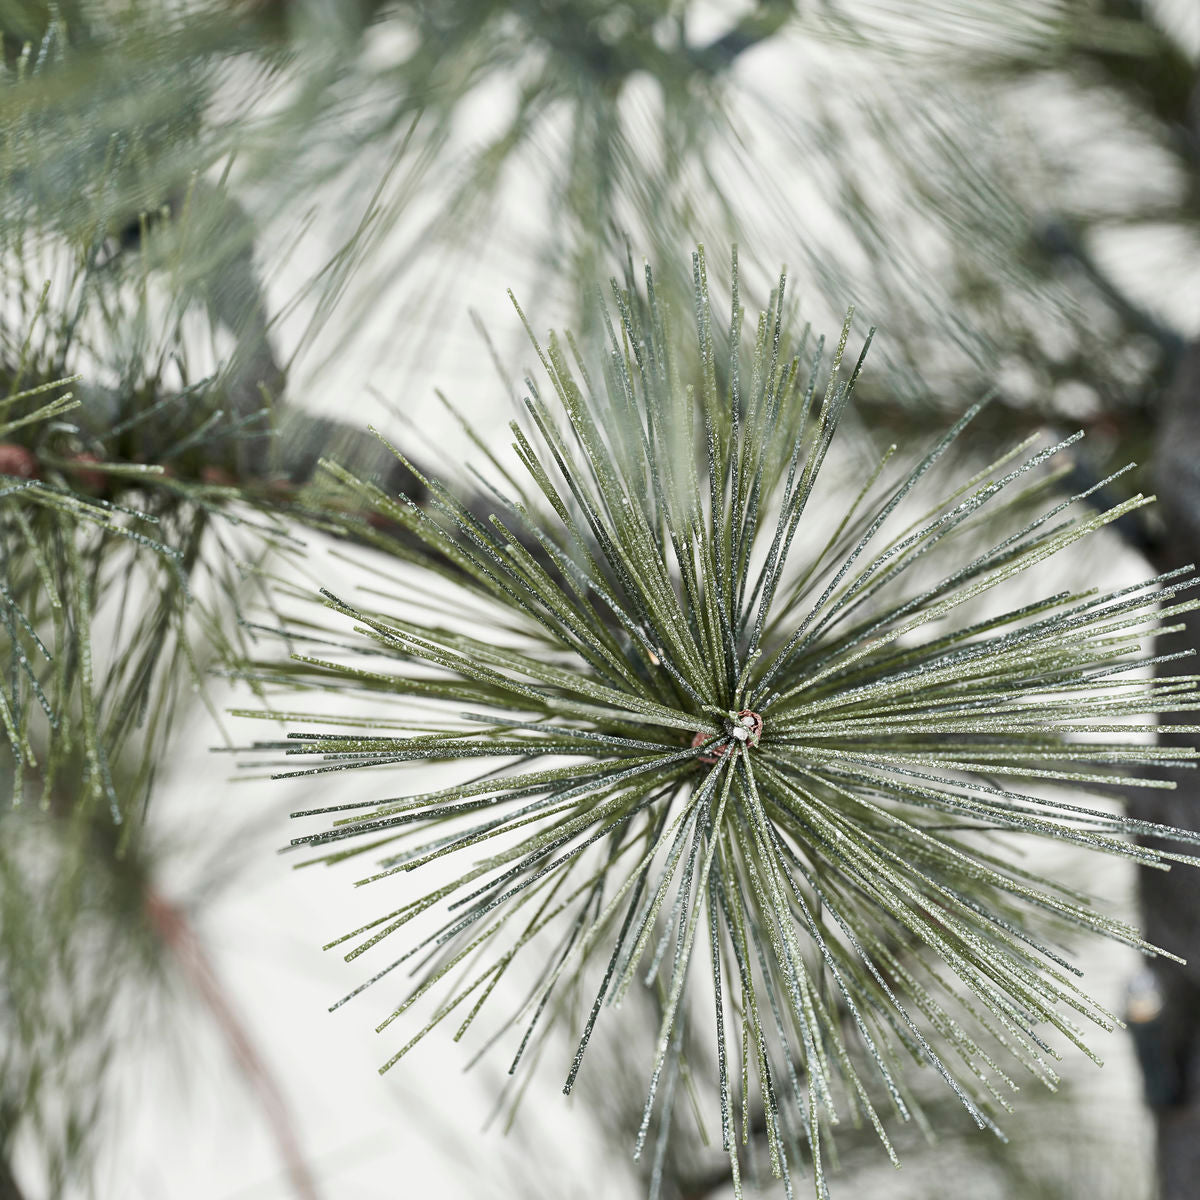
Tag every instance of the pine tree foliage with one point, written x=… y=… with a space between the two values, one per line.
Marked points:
x=78 y=952
x=1079 y=140
x=134 y=504
x=128 y=473
x=770 y=759
x=287 y=87
x=649 y=118
x=111 y=491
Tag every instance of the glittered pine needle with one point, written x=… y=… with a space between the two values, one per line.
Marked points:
x=768 y=760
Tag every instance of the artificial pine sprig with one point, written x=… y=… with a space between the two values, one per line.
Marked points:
x=771 y=758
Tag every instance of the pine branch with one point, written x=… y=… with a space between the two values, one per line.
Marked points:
x=786 y=764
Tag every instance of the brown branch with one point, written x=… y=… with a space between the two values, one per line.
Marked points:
x=173 y=927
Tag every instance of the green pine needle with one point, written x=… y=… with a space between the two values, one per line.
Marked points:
x=118 y=508
x=770 y=761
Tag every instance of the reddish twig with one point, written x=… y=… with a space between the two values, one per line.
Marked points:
x=172 y=925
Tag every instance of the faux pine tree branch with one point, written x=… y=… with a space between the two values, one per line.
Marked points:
x=766 y=750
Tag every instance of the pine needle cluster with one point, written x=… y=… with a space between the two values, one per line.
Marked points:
x=770 y=759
